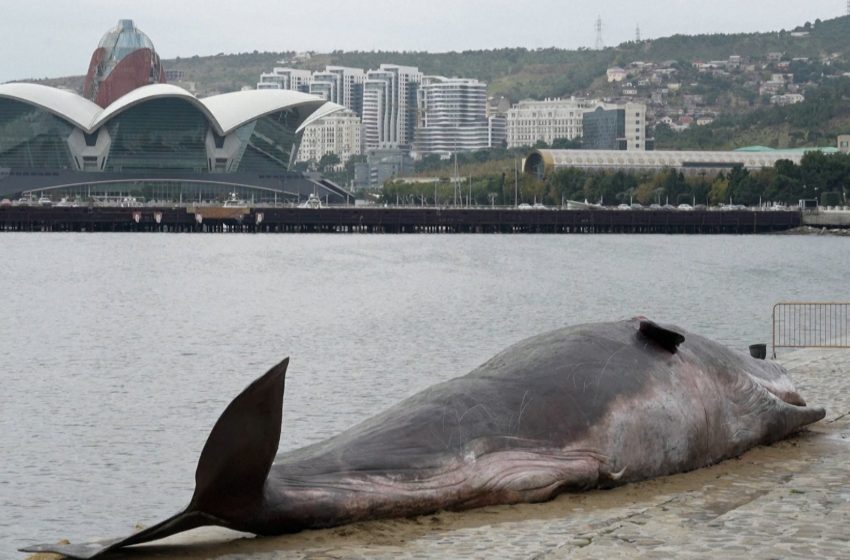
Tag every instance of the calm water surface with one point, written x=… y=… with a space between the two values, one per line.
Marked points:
x=118 y=352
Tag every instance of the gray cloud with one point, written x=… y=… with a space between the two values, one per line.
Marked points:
x=51 y=38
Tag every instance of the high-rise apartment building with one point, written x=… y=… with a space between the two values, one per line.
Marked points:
x=385 y=99
x=286 y=78
x=452 y=116
x=340 y=133
x=377 y=105
x=325 y=84
x=389 y=106
x=339 y=84
x=349 y=87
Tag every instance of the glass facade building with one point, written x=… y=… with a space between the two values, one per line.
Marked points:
x=55 y=141
x=604 y=129
x=161 y=134
x=32 y=138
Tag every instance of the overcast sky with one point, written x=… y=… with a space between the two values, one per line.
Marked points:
x=53 y=38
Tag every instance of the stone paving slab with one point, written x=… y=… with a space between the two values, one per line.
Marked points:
x=788 y=500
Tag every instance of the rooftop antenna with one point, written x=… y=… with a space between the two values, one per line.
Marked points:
x=599 y=44
x=637 y=30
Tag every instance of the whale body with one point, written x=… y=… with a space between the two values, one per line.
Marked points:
x=588 y=406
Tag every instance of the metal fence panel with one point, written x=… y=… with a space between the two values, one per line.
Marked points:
x=811 y=325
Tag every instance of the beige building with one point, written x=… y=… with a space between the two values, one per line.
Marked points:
x=616 y=74
x=529 y=122
x=338 y=134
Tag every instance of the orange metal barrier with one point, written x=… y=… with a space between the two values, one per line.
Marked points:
x=811 y=325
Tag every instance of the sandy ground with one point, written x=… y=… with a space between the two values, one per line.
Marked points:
x=789 y=500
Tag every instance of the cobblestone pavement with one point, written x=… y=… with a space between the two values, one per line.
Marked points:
x=788 y=500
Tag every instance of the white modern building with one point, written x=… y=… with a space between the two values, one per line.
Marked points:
x=340 y=85
x=389 y=106
x=350 y=87
x=376 y=105
x=452 y=116
x=286 y=78
x=325 y=85
x=338 y=134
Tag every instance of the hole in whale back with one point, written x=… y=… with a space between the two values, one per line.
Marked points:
x=666 y=338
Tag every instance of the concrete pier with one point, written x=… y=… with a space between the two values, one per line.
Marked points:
x=351 y=219
x=827 y=219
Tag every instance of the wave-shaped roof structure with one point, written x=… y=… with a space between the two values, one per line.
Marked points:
x=225 y=112
x=154 y=134
x=132 y=132
x=63 y=103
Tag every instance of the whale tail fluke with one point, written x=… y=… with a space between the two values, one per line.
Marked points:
x=231 y=472
x=241 y=448
x=177 y=524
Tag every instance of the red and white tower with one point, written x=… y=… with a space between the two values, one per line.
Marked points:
x=123 y=61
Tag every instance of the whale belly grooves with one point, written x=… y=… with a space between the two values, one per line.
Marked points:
x=501 y=477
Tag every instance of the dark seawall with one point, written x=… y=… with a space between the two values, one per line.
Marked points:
x=351 y=219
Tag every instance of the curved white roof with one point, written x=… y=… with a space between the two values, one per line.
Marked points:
x=225 y=112
x=319 y=113
x=65 y=104
x=233 y=110
x=145 y=94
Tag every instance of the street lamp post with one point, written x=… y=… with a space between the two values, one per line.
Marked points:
x=516 y=184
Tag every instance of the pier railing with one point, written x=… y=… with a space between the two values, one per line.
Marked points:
x=811 y=325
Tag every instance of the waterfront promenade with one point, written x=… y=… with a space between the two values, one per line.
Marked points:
x=788 y=500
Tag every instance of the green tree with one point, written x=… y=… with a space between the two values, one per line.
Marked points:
x=567 y=143
x=719 y=191
x=328 y=162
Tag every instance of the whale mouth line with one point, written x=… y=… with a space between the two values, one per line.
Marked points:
x=788 y=397
x=784 y=392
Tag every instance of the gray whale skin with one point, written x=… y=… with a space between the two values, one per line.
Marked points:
x=588 y=406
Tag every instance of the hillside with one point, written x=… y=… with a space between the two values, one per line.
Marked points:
x=680 y=78
x=814 y=122
x=519 y=73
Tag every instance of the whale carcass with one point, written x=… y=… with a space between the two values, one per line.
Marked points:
x=588 y=406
